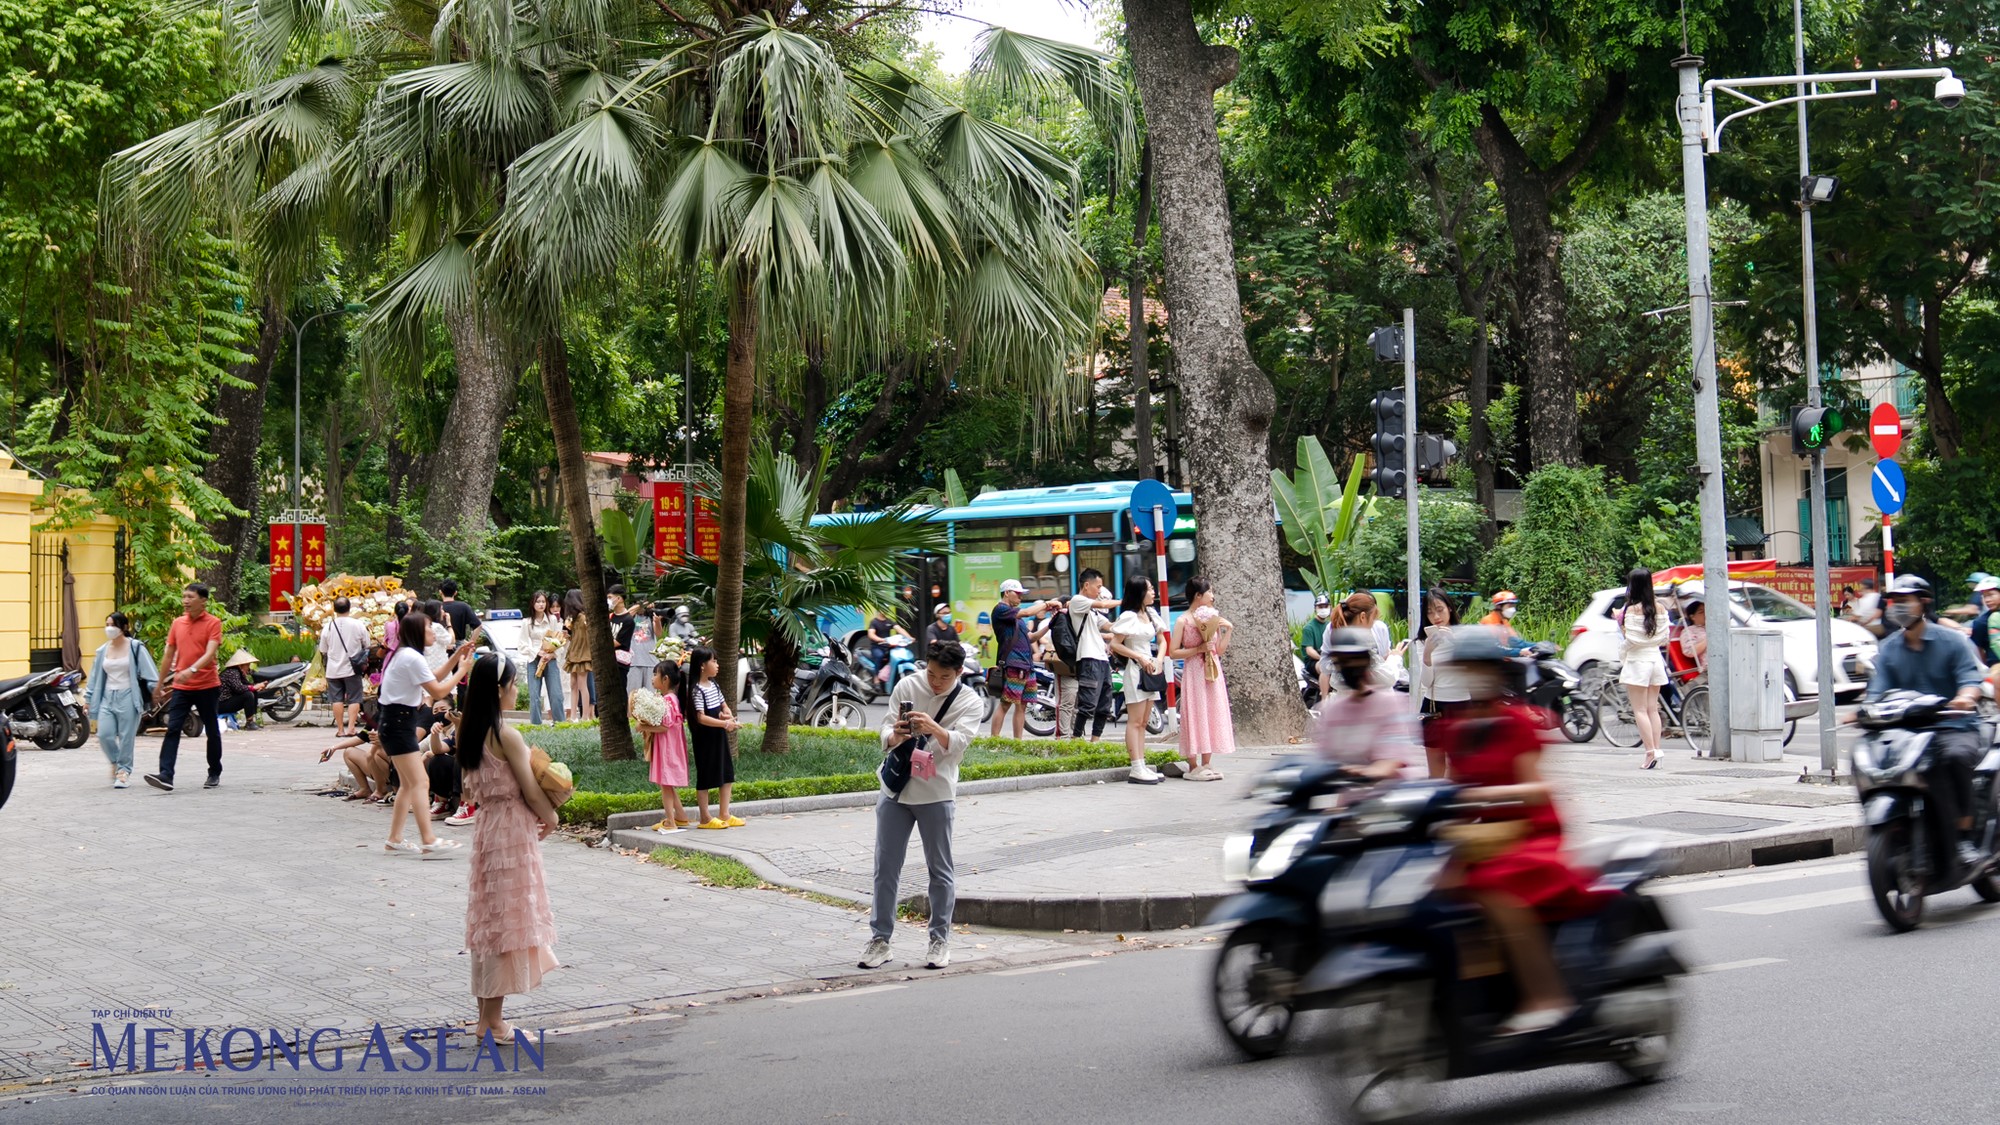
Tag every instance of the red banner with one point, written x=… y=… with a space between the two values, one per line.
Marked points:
x=1796 y=581
x=311 y=560
x=707 y=529
x=669 y=523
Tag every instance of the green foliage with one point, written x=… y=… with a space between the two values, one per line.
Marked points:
x=138 y=439
x=621 y=540
x=1951 y=524
x=1668 y=536
x=712 y=870
x=1448 y=526
x=1319 y=515
x=1503 y=415
x=1565 y=547
x=276 y=648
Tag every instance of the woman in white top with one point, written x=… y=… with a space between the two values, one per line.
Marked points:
x=1359 y=611
x=543 y=660
x=1133 y=637
x=1440 y=683
x=407 y=684
x=1642 y=625
x=121 y=678
x=437 y=648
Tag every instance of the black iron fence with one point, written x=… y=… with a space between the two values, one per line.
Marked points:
x=48 y=561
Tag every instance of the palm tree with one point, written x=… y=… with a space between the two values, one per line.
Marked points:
x=848 y=210
x=796 y=570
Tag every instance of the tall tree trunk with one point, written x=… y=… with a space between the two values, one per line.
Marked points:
x=781 y=658
x=233 y=469
x=1229 y=401
x=1940 y=416
x=333 y=479
x=739 y=385
x=459 y=478
x=1135 y=314
x=1553 y=437
x=613 y=728
x=1479 y=393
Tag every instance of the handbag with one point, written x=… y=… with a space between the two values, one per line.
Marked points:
x=896 y=766
x=996 y=680
x=355 y=660
x=1152 y=681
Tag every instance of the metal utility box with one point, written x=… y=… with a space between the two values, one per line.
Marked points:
x=1757 y=695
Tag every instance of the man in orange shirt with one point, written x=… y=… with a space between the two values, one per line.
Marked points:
x=190 y=671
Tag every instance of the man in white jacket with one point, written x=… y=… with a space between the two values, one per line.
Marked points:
x=948 y=718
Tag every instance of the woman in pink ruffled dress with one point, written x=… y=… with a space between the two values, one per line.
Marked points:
x=509 y=929
x=1201 y=636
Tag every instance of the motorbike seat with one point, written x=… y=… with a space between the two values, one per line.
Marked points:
x=276 y=671
x=7 y=686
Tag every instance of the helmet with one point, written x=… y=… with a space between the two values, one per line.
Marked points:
x=1909 y=584
x=1350 y=642
x=1984 y=582
x=1478 y=644
x=1321 y=599
x=942 y=609
x=1505 y=597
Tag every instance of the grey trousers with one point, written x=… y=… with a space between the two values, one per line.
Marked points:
x=893 y=821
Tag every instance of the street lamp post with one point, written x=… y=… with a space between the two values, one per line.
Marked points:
x=298 y=381
x=1701 y=133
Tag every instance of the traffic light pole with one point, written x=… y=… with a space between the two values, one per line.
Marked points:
x=1707 y=411
x=1829 y=745
x=1414 y=601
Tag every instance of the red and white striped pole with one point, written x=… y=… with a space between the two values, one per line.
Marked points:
x=1160 y=590
x=1888 y=555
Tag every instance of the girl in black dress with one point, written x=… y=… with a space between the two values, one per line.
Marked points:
x=710 y=722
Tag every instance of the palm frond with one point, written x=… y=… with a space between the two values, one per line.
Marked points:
x=1034 y=66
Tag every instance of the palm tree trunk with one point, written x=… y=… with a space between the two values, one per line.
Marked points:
x=614 y=730
x=738 y=386
x=1230 y=401
x=781 y=659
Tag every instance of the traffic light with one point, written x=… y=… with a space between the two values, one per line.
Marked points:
x=1388 y=344
x=1434 y=452
x=1814 y=427
x=1389 y=474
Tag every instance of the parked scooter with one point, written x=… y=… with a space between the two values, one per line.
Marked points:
x=1912 y=854
x=285 y=700
x=1414 y=974
x=41 y=707
x=1044 y=714
x=1555 y=689
x=824 y=696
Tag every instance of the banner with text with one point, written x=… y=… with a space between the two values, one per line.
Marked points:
x=311 y=560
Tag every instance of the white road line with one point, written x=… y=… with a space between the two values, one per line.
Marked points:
x=1790 y=903
x=1726 y=966
x=811 y=996
x=1050 y=968
x=1696 y=884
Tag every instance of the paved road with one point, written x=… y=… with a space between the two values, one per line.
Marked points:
x=1811 y=1011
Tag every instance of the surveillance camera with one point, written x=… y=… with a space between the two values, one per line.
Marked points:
x=1950 y=91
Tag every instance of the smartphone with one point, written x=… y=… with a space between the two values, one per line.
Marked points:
x=904 y=708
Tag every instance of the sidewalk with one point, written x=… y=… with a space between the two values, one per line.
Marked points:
x=263 y=904
x=1115 y=856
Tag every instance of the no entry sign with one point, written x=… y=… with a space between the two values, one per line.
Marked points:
x=1885 y=430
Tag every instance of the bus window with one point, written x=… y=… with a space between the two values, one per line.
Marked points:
x=1095 y=556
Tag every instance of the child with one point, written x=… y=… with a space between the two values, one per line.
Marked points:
x=712 y=721
x=669 y=746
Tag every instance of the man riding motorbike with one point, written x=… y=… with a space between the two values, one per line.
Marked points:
x=1985 y=637
x=1920 y=657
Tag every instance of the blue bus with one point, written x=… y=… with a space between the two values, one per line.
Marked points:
x=1046 y=537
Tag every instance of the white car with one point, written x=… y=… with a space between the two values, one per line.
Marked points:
x=503 y=631
x=1594 y=643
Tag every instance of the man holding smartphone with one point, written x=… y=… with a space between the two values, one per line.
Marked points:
x=930 y=707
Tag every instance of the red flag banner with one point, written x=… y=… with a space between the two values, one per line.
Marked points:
x=669 y=522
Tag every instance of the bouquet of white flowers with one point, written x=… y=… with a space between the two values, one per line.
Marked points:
x=649 y=707
x=669 y=648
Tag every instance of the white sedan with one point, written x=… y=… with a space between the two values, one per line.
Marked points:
x=1594 y=644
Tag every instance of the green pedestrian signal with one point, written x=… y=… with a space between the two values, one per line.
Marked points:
x=1814 y=428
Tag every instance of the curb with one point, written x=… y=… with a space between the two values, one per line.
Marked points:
x=1170 y=910
x=778 y=806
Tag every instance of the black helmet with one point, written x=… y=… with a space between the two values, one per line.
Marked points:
x=1478 y=644
x=1350 y=642
x=1910 y=584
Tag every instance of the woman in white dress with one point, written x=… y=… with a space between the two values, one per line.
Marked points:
x=1133 y=634
x=1642 y=625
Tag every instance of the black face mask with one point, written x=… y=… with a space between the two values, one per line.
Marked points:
x=1353 y=675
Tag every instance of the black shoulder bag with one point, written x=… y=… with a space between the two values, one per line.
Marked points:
x=895 y=768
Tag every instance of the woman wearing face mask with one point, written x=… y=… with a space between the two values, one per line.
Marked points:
x=121 y=680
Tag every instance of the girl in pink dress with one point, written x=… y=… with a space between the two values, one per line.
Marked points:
x=1200 y=638
x=669 y=748
x=509 y=929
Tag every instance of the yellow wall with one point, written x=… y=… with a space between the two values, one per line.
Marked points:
x=18 y=492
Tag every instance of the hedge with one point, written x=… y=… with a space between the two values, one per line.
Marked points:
x=594 y=807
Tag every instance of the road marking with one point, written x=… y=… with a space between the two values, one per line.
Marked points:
x=1752 y=879
x=811 y=996
x=1790 y=903
x=1726 y=966
x=1050 y=968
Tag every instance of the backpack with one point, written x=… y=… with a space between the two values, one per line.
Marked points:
x=1062 y=634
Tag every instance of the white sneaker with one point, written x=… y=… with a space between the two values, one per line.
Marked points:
x=121 y=779
x=875 y=954
x=938 y=956
x=1143 y=774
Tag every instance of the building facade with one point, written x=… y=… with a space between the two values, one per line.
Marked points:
x=1854 y=525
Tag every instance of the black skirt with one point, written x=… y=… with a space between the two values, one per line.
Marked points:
x=399 y=729
x=713 y=765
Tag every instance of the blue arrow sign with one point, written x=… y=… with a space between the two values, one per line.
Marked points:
x=1146 y=495
x=1887 y=483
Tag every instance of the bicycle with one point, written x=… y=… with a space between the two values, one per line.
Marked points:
x=1684 y=711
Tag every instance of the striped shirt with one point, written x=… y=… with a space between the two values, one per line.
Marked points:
x=707 y=697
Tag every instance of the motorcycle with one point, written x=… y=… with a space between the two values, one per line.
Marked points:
x=1555 y=689
x=1308 y=683
x=867 y=672
x=1045 y=714
x=42 y=707
x=8 y=762
x=824 y=696
x=1413 y=977
x=1911 y=853
x=285 y=700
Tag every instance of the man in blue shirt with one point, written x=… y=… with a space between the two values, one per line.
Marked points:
x=1923 y=658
